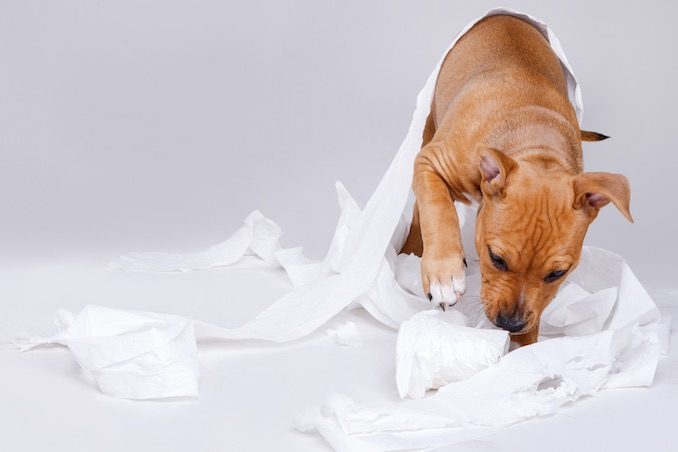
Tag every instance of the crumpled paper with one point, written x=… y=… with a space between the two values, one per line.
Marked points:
x=130 y=354
x=601 y=331
x=614 y=338
x=259 y=238
x=435 y=348
x=345 y=334
x=528 y=382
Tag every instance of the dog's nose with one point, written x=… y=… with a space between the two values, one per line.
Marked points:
x=511 y=323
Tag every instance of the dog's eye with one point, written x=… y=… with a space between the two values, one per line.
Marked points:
x=497 y=261
x=556 y=274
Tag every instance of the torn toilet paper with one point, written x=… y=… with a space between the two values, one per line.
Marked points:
x=345 y=334
x=435 y=348
x=601 y=331
x=614 y=338
x=528 y=382
x=130 y=354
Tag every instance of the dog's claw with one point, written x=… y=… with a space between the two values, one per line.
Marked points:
x=446 y=281
x=465 y=264
x=446 y=295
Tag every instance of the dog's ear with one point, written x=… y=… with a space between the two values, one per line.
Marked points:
x=595 y=190
x=495 y=167
x=585 y=135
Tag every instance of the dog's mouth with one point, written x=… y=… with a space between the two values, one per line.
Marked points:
x=527 y=328
x=519 y=323
x=522 y=332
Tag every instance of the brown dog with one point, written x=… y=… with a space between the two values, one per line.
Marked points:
x=502 y=132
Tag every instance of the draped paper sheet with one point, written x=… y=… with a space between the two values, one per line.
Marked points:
x=608 y=332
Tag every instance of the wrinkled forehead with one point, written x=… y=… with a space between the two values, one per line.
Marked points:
x=538 y=218
x=531 y=198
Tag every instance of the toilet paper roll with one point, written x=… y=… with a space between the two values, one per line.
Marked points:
x=435 y=348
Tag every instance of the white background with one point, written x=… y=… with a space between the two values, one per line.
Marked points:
x=159 y=125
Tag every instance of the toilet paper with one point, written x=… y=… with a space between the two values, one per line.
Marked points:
x=435 y=348
x=601 y=331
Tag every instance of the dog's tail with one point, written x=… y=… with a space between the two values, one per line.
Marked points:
x=592 y=136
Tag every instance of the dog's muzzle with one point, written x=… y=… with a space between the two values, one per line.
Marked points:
x=511 y=323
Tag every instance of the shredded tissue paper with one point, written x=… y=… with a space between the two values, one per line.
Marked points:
x=601 y=331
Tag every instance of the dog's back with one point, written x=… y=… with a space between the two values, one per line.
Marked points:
x=512 y=61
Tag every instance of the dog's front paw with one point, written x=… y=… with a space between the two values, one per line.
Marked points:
x=444 y=279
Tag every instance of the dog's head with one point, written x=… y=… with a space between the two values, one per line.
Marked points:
x=530 y=230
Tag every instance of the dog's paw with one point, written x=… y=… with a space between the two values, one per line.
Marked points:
x=444 y=279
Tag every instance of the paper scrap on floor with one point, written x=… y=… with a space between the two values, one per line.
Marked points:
x=601 y=331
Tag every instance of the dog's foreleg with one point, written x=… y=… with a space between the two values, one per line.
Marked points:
x=442 y=265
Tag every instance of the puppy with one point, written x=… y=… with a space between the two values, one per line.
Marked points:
x=502 y=132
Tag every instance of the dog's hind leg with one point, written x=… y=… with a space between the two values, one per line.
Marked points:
x=414 y=243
